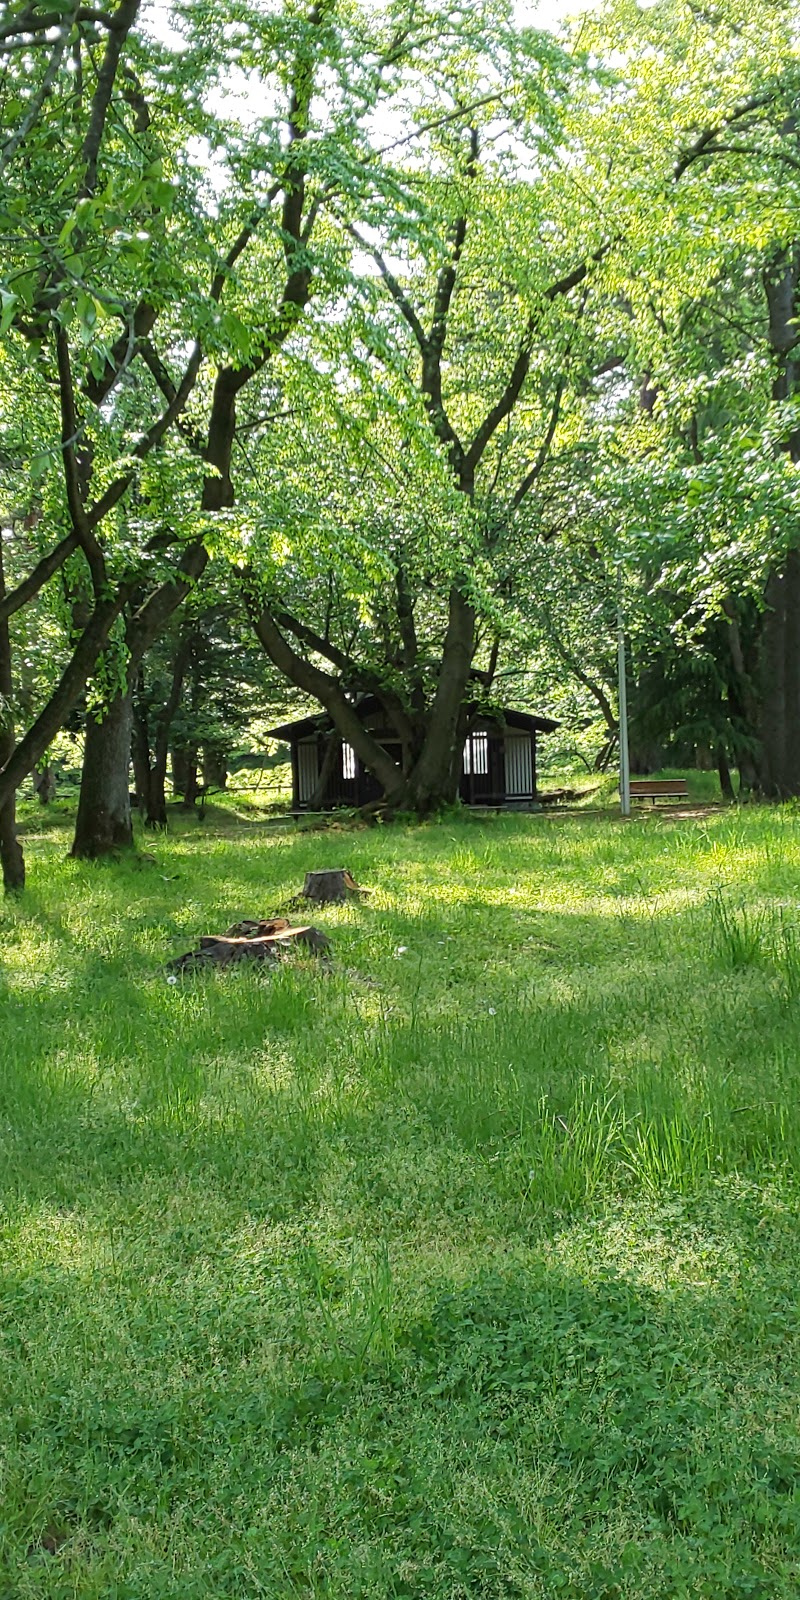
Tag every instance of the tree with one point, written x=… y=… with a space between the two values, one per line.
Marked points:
x=306 y=148
x=77 y=267
x=443 y=399
x=712 y=474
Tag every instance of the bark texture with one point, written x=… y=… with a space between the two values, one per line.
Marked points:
x=140 y=756
x=44 y=783
x=779 y=720
x=105 y=762
x=215 y=769
x=334 y=884
x=103 y=824
x=780 y=683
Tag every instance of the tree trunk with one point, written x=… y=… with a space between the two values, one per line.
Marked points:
x=156 y=808
x=725 y=780
x=103 y=823
x=332 y=748
x=190 y=788
x=779 y=723
x=140 y=756
x=252 y=941
x=64 y=698
x=180 y=770
x=433 y=780
x=106 y=748
x=11 y=856
x=215 y=769
x=217 y=493
x=44 y=783
x=779 y=775
x=334 y=884
x=156 y=816
x=602 y=760
x=325 y=688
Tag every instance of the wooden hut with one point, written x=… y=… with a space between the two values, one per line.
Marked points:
x=499 y=760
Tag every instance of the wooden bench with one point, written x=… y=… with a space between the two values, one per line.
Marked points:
x=659 y=789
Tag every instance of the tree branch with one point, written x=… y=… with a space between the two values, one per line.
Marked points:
x=519 y=371
x=36 y=580
x=84 y=528
x=762 y=152
x=355 y=676
x=595 y=689
x=446 y=281
x=708 y=135
x=119 y=26
x=399 y=296
x=51 y=72
x=506 y=403
x=27 y=22
x=544 y=448
x=329 y=693
x=439 y=122
x=127 y=346
x=153 y=437
x=65 y=695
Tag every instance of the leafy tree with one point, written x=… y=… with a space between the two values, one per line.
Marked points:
x=704 y=485
x=128 y=492
x=332 y=66
x=92 y=246
x=414 y=480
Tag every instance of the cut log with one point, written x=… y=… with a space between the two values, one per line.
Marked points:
x=257 y=930
x=336 y=884
x=223 y=949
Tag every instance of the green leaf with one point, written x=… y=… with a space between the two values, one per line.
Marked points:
x=8 y=306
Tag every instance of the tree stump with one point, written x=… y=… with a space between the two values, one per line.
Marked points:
x=221 y=949
x=336 y=884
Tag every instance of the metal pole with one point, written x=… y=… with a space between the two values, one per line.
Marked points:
x=624 y=756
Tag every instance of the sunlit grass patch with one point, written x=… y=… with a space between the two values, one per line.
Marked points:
x=465 y=1268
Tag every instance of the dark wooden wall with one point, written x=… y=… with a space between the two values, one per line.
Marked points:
x=476 y=788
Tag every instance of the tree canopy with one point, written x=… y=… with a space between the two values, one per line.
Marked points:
x=442 y=332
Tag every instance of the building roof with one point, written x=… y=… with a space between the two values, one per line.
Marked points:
x=321 y=722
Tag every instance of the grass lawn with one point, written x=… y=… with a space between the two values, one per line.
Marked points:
x=468 y=1268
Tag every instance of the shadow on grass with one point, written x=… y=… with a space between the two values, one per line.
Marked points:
x=531 y=1430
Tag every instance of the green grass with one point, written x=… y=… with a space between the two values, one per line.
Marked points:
x=468 y=1268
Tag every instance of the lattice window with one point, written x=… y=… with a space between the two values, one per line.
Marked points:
x=349 y=764
x=307 y=769
x=519 y=767
x=476 y=754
